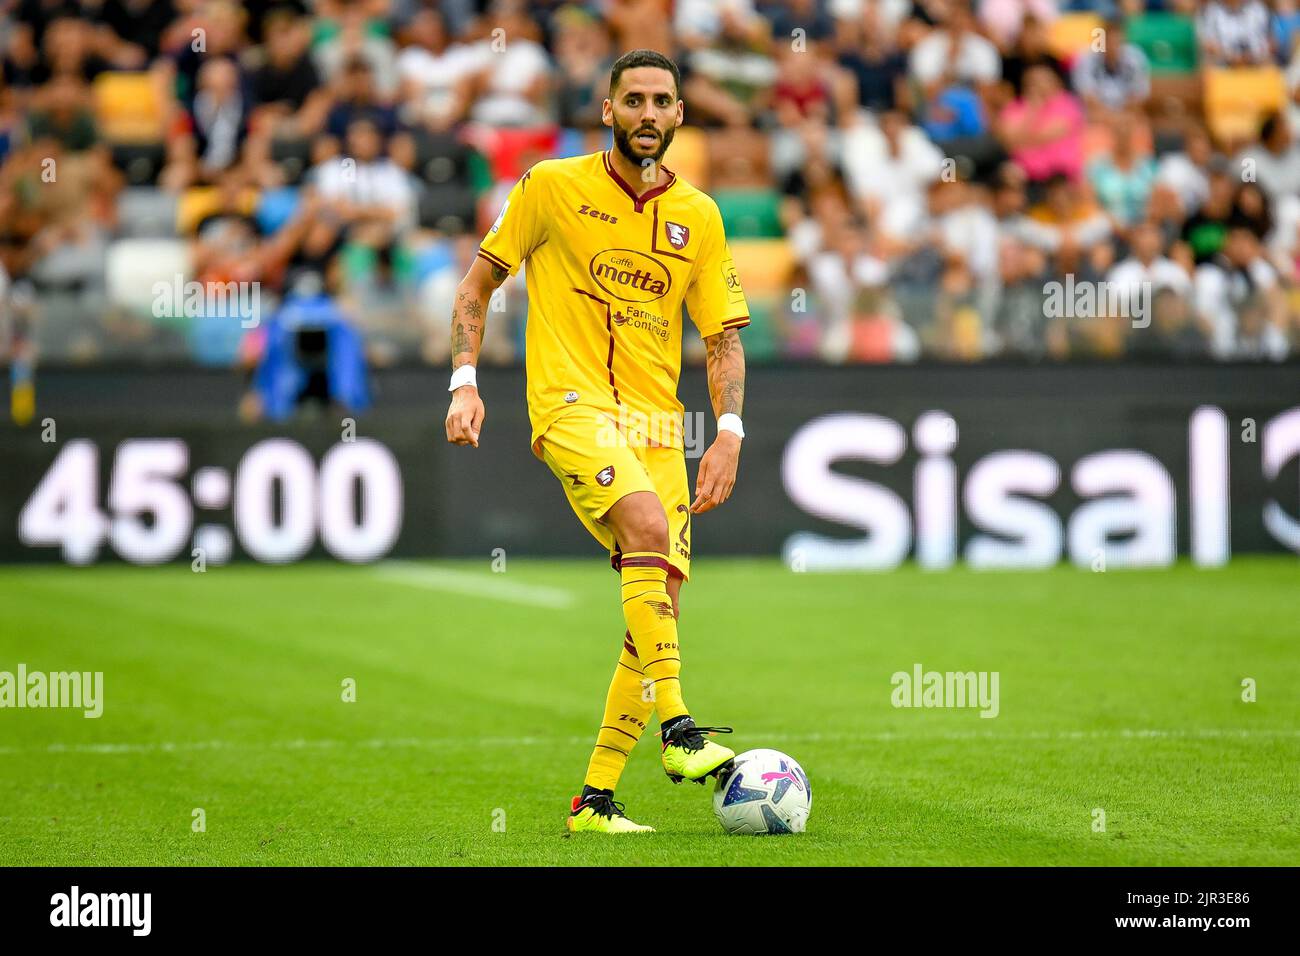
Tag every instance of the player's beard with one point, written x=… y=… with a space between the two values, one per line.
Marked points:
x=623 y=141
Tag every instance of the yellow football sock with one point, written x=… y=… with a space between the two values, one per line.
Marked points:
x=648 y=611
x=627 y=709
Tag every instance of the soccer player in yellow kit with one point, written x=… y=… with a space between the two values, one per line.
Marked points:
x=615 y=245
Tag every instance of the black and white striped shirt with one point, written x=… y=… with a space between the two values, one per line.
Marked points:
x=1238 y=32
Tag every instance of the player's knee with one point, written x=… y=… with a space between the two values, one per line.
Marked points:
x=644 y=527
x=652 y=535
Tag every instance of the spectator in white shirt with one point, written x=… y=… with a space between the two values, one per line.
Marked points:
x=1239 y=297
x=1114 y=78
x=888 y=168
x=434 y=72
x=1235 y=33
x=512 y=74
x=954 y=52
x=366 y=191
x=1146 y=266
x=1004 y=19
x=1183 y=178
x=1273 y=162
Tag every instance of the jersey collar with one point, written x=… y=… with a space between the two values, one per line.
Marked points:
x=638 y=201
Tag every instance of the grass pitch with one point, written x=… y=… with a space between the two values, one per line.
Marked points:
x=478 y=696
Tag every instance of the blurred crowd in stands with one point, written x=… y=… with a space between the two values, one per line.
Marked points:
x=946 y=179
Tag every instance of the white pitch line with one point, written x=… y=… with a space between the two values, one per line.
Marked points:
x=494 y=586
x=427 y=743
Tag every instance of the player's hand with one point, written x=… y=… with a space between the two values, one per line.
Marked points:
x=717 y=475
x=465 y=417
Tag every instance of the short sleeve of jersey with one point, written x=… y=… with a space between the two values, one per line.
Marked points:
x=715 y=300
x=520 y=226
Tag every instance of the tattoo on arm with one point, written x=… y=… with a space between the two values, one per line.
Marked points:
x=468 y=321
x=466 y=337
x=726 y=371
x=459 y=341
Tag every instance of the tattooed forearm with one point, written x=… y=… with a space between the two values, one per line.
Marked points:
x=469 y=311
x=726 y=371
x=466 y=337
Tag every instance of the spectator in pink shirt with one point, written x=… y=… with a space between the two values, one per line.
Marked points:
x=1043 y=129
x=1003 y=20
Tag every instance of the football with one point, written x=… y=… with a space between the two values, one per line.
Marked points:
x=765 y=792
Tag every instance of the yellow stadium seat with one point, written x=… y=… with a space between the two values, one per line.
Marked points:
x=128 y=108
x=688 y=156
x=764 y=266
x=195 y=203
x=1238 y=99
x=200 y=201
x=1072 y=34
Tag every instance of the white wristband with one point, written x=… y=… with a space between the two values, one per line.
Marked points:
x=465 y=375
x=730 y=422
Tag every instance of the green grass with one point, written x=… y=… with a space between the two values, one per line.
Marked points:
x=1119 y=691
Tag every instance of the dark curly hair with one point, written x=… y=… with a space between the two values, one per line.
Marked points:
x=635 y=58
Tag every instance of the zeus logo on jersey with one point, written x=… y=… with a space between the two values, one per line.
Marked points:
x=623 y=273
x=586 y=210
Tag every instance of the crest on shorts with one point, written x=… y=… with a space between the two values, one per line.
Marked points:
x=678 y=235
x=605 y=477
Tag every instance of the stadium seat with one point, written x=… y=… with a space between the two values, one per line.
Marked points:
x=145 y=213
x=200 y=201
x=1167 y=39
x=293 y=156
x=1071 y=34
x=739 y=159
x=128 y=108
x=750 y=213
x=510 y=152
x=133 y=266
x=442 y=159
x=764 y=266
x=1238 y=99
x=69 y=329
x=448 y=208
x=140 y=163
x=688 y=156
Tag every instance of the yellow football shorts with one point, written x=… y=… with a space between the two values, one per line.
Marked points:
x=598 y=464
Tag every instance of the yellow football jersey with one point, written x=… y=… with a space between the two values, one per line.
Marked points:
x=608 y=273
